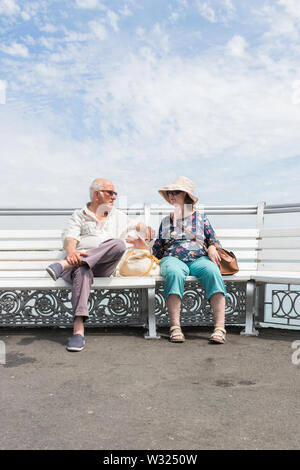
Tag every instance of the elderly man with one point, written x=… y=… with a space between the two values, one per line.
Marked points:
x=94 y=244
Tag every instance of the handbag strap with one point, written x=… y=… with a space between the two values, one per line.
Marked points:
x=194 y=237
x=153 y=260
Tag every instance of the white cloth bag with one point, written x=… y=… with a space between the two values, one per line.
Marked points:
x=139 y=263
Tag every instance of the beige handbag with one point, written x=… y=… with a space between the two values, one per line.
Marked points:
x=137 y=262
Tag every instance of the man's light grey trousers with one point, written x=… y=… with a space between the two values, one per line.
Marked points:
x=100 y=262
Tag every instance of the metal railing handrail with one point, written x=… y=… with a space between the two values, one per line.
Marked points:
x=154 y=209
x=259 y=209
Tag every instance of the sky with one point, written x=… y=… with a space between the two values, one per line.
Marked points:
x=143 y=91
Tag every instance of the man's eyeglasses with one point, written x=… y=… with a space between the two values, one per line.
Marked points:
x=174 y=193
x=111 y=193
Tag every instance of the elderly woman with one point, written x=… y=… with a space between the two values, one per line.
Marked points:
x=186 y=245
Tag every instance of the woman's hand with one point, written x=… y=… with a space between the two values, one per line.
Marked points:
x=214 y=255
x=137 y=242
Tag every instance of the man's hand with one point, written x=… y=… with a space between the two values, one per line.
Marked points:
x=137 y=242
x=146 y=231
x=74 y=258
x=214 y=255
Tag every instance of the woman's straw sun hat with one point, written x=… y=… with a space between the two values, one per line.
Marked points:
x=179 y=184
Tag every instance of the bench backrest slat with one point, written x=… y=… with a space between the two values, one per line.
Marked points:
x=279 y=255
x=279 y=250
x=30 y=255
x=27 y=252
x=31 y=245
x=294 y=267
x=279 y=232
x=29 y=234
x=283 y=243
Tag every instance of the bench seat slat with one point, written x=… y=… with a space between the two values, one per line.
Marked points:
x=274 y=278
x=99 y=282
x=46 y=282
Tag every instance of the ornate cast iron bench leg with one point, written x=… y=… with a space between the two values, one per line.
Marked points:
x=250 y=310
x=152 y=334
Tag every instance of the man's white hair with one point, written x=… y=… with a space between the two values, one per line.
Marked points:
x=95 y=186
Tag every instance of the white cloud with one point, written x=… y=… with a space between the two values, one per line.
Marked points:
x=145 y=104
x=174 y=16
x=284 y=22
x=9 y=7
x=49 y=43
x=29 y=40
x=49 y=166
x=180 y=110
x=236 y=46
x=112 y=19
x=125 y=11
x=49 y=73
x=90 y=4
x=156 y=41
x=217 y=11
x=16 y=49
x=206 y=11
x=49 y=28
x=292 y=7
x=169 y=116
x=228 y=4
x=25 y=15
x=98 y=29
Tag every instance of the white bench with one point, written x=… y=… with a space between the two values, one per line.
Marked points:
x=24 y=255
x=264 y=256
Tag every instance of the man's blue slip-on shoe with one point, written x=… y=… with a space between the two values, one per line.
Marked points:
x=76 y=343
x=55 y=270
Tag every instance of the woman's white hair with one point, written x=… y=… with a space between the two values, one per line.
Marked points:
x=95 y=186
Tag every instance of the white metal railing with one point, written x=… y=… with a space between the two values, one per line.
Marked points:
x=155 y=209
x=260 y=210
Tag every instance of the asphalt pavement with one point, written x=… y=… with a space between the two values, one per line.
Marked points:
x=125 y=392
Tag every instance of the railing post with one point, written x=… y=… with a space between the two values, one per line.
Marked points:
x=147 y=214
x=260 y=214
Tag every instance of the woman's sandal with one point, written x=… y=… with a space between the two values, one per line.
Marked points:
x=176 y=337
x=218 y=336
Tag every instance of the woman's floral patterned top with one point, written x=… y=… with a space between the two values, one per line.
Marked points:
x=175 y=241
